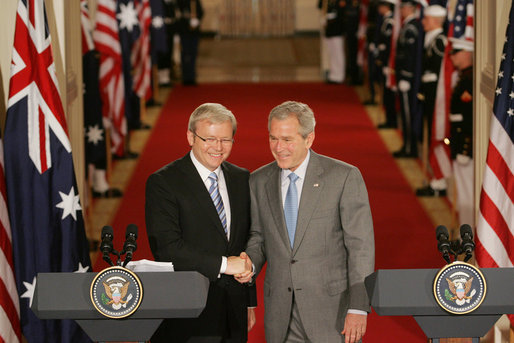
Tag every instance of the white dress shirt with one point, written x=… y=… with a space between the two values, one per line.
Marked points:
x=222 y=185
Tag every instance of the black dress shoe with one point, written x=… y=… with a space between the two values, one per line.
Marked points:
x=110 y=193
x=129 y=155
x=152 y=103
x=329 y=82
x=369 y=102
x=143 y=126
x=428 y=191
x=386 y=125
x=404 y=154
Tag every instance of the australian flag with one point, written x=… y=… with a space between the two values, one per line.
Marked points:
x=158 y=34
x=44 y=208
x=129 y=30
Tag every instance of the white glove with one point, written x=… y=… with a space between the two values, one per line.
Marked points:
x=404 y=86
x=386 y=71
x=323 y=21
x=462 y=159
x=194 y=23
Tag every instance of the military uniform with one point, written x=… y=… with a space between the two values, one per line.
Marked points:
x=373 y=24
x=334 y=30
x=405 y=63
x=382 y=61
x=435 y=45
x=188 y=26
x=164 y=58
x=351 y=21
x=461 y=144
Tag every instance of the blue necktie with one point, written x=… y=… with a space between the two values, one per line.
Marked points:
x=291 y=207
x=214 y=192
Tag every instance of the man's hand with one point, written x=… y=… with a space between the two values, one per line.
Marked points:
x=235 y=265
x=245 y=276
x=251 y=318
x=354 y=327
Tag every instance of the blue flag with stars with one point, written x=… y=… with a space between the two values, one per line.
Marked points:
x=43 y=201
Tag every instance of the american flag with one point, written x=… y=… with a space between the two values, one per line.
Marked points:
x=495 y=228
x=112 y=85
x=140 y=57
x=9 y=305
x=46 y=219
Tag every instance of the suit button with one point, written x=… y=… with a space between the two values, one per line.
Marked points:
x=293 y=261
x=289 y=289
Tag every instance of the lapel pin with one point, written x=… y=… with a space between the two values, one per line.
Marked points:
x=316 y=185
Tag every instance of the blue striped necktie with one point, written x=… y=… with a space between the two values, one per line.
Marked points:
x=291 y=207
x=214 y=192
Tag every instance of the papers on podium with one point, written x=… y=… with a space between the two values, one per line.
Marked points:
x=149 y=266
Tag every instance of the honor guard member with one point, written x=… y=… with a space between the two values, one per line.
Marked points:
x=434 y=47
x=189 y=14
x=385 y=9
x=351 y=20
x=164 y=59
x=461 y=129
x=406 y=62
x=373 y=24
x=333 y=21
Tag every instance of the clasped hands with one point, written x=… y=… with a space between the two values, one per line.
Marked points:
x=241 y=267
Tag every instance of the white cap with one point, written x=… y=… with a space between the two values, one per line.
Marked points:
x=462 y=44
x=435 y=11
x=392 y=2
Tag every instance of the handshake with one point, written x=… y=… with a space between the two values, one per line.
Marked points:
x=241 y=267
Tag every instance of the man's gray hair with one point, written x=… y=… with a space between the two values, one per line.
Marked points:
x=214 y=113
x=301 y=111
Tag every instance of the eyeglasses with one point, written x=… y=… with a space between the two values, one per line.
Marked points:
x=214 y=141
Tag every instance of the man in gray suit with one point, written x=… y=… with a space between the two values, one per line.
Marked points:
x=311 y=222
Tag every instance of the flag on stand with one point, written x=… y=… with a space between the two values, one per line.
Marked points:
x=95 y=147
x=129 y=31
x=44 y=208
x=9 y=305
x=112 y=86
x=140 y=55
x=158 y=32
x=495 y=228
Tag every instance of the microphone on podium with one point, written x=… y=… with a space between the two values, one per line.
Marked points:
x=468 y=246
x=443 y=244
x=130 y=244
x=106 y=247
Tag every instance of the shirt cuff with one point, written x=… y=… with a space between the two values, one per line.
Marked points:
x=364 y=313
x=223 y=267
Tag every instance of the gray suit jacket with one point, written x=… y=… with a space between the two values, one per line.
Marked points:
x=333 y=249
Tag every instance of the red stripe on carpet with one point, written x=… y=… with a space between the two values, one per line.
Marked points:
x=404 y=234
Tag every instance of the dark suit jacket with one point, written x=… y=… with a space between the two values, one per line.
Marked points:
x=184 y=228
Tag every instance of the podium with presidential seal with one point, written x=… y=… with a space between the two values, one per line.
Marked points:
x=459 y=300
x=125 y=302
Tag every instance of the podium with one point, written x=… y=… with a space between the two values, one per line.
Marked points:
x=402 y=292
x=165 y=295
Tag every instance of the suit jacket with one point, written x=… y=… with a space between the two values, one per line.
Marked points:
x=184 y=228
x=332 y=254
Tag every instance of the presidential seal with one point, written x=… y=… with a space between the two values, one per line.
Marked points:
x=460 y=288
x=116 y=292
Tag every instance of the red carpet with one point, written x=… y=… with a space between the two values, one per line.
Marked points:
x=404 y=234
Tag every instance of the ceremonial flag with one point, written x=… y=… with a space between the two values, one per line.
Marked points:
x=495 y=228
x=9 y=305
x=44 y=208
x=140 y=56
x=129 y=31
x=112 y=86
x=158 y=32
x=95 y=147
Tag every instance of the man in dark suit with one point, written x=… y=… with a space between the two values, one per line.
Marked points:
x=197 y=215
x=311 y=222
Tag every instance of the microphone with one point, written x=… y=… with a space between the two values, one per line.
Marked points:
x=130 y=244
x=468 y=246
x=443 y=245
x=106 y=246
